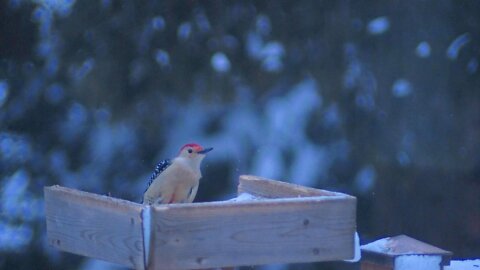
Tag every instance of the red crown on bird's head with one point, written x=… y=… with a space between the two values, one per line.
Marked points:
x=194 y=146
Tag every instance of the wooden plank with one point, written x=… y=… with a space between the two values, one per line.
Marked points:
x=263 y=187
x=406 y=245
x=218 y=234
x=95 y=226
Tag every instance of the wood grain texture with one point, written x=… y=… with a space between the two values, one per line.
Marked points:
x=95 y=226
x=217 y=234
x=263 y=187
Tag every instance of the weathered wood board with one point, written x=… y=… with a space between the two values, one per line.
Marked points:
x=252 y=233
x=95 y=226
x=267 y=188
x=291 y=224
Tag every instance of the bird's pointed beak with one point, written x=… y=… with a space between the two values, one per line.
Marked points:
x=205 y=150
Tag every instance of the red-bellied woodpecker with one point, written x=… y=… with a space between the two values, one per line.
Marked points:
x=176 y=180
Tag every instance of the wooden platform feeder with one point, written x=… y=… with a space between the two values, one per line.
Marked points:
x=285 y=223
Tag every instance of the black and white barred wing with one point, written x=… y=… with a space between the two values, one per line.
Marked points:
x=161 y=166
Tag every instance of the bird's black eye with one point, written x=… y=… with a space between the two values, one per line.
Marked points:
x=190 y=151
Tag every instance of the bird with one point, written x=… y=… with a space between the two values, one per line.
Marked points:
x=176 y=180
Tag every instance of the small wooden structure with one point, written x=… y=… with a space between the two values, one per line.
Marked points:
x=286 y=223
x=403 y=252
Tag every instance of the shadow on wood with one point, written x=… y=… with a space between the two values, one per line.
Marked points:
x=287 y=224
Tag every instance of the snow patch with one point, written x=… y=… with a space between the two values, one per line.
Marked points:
x=254 y=45
x=311 y=162
x=463 y=265
x=403 y=158
x=379 y=246
x=202 y=22
x=3 y=92
x=14 y=149
x=184 y=31
x=54 y=94
x=263 y=24
x=244 y=197
x=423 y=49
x=331 y=116
x=158 y=23
x=162 y=58
x=357 y=254
x=457 y=44
x=269 y=53
x=472 y=67
x=272 y=54
x=14 y=237
x=401 y=88
x=268 y=162
x=220 y=62
x=79 y=72
x=146 y=227
x=62 y=8
x=378 y=25
x=418 y=262
x=365 y=179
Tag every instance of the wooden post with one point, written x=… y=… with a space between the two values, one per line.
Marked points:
x=403 y=252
